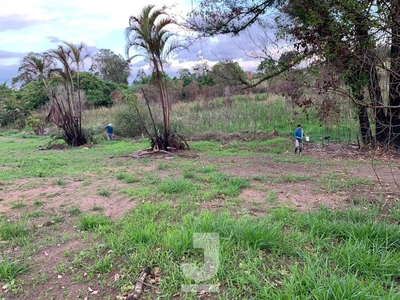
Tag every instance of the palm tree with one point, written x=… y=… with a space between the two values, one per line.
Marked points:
x=77 y=57
x=149 y=36
x=34 y=66
x=63 y=109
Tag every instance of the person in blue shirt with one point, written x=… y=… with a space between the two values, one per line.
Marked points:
x=109 y=128
x=298 y=139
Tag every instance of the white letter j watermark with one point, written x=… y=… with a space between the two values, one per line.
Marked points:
x=210 y=243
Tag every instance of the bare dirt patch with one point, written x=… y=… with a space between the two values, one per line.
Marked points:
x=47 y=196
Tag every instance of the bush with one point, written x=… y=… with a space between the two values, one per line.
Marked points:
x=127 y=122
x=124 y=118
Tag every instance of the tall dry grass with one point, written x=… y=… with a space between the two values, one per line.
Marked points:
x=254 y=112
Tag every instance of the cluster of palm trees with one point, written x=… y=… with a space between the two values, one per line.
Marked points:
x=56 y=69
x=148 y=34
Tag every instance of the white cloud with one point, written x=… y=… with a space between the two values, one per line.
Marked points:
x=39 y=25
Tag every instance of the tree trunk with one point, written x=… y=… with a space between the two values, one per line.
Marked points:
x=394 y=79
x=365 y=127
x=381 y=129
x=367 y=65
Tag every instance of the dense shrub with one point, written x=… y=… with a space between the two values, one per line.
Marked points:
x=127 y=122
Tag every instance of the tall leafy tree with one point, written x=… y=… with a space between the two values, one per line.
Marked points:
x=186 y=77
x=10 y=111
x=97 y=92
x=109 y=66
x=229 y=16
x=229 y=73
x=142 y=78
x=148 y=34
x=345 y=36
x=350 y=38
x=33 y=95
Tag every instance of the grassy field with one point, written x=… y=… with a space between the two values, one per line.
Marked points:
x=323 y=253
x=85 y=222
x=245 y=113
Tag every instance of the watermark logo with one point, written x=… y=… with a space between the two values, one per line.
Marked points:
x=210 y=243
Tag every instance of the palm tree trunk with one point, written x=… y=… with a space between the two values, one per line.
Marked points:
x=164 y=102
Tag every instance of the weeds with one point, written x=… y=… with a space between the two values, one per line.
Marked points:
x=92 y=222
x=18 y=204
x=36 y=214
x=104 y=192
x=334 y=182
x=176 y=186
x=97 y=208
x=291 y=178
x=272 y=196
x=59 y=182
x=74 y=211
x=127 y=178
x=9 y=269
x=37 y=203
x=10 y=230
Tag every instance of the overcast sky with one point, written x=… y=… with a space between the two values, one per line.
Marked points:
x=40 y=25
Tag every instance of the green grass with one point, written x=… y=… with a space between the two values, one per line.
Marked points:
x=37 y=203
x=176 y=186
x=90 y=222
x=9 y=269
x=36 y=214
x=18 y=204
x=127 y=178
x=103 y=265
x=334 y=182
x=142 y=193
x=57 y=219
x=162 y=166
x=10 y=230
x=97 y=208
x=59 y=182
x=291 y=178
x=347 y=253
x=324 y=254
x=28 y=162
x=74 y=211
x=104 y=192
x=277 y=145
x=272 y=196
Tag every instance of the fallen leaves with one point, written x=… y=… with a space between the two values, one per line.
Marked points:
x=92 y=292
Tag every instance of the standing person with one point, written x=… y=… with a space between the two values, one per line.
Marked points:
x=298 y=139
x=109 y=128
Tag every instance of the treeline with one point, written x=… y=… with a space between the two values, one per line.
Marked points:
x=199 y=83
x=106 y=84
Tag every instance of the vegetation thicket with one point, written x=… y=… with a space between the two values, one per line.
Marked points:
x=353 y=46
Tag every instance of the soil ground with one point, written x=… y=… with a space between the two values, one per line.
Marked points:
x=56 y=203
